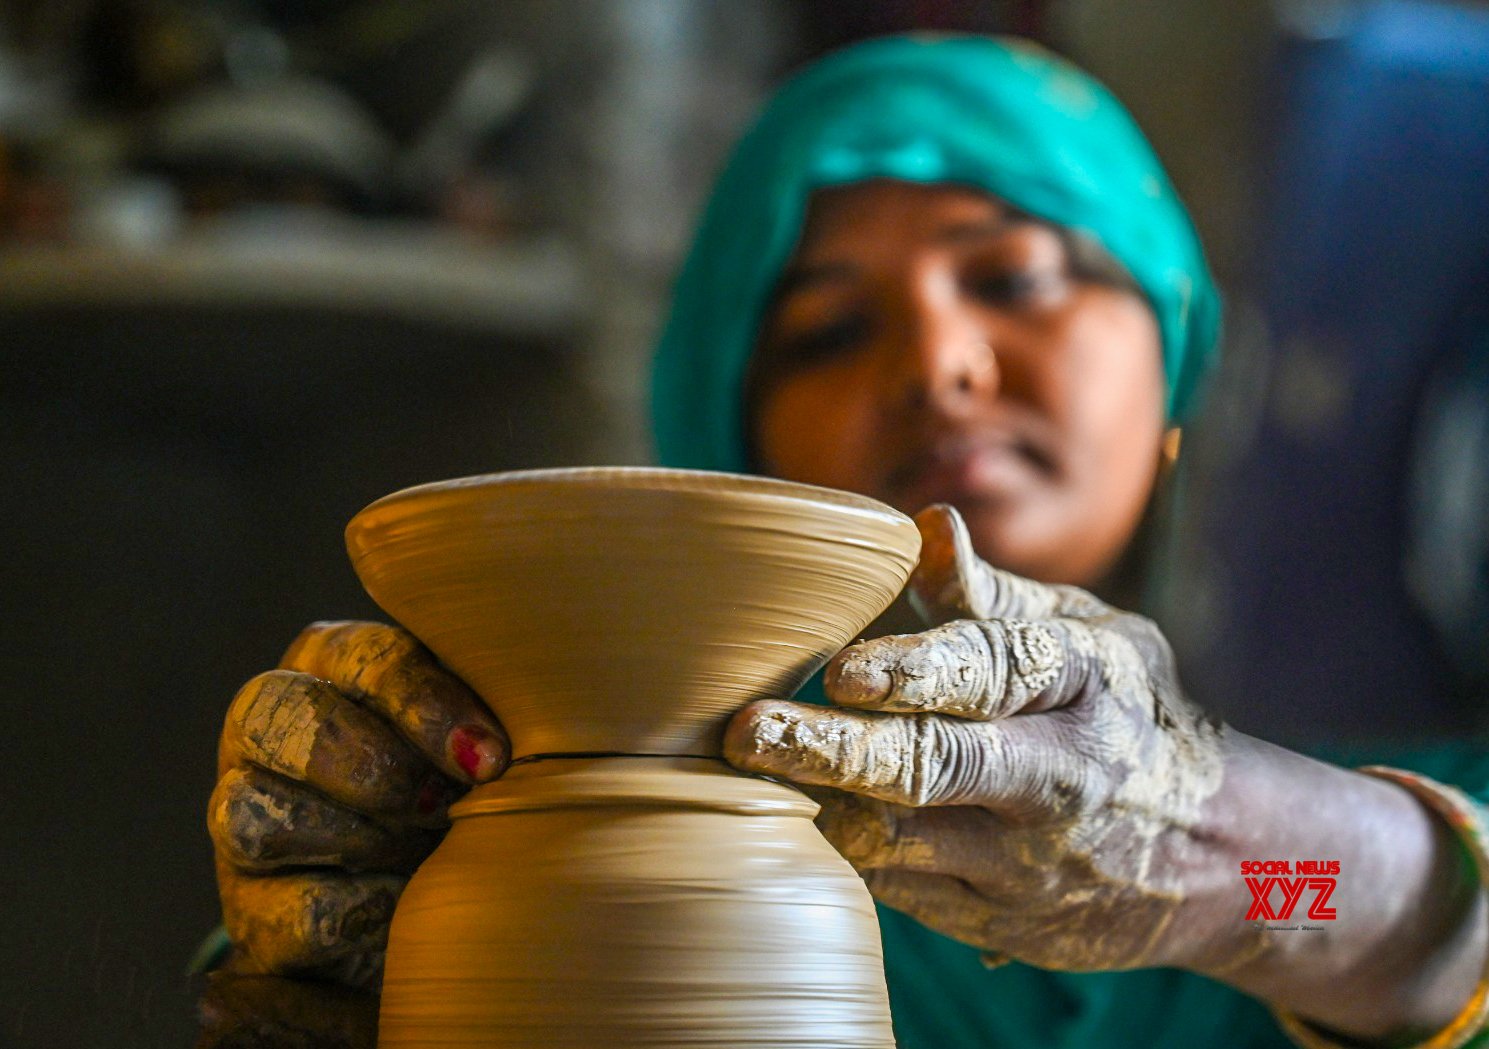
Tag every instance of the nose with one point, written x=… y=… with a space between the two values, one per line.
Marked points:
x=940 y=354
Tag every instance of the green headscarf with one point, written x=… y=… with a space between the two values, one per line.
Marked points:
x=999 y=115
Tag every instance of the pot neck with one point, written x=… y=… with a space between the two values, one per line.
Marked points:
x=559 y=782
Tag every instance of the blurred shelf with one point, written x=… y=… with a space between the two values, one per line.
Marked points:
x=529 y=290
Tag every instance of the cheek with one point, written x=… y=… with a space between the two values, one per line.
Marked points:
x=1099 y=382
x=817 y=428
x=1114 y=405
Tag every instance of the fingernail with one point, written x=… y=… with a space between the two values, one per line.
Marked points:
x=758 y=733
x=800 y=743
x=858 y=679
x=476 y=751
x=780 y=733
x=777 y=730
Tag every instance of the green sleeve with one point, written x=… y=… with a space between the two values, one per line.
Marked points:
x=943 y=998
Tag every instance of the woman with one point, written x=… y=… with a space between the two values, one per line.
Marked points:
x=948 y=271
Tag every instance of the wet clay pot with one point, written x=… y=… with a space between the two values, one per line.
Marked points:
x=621 y=885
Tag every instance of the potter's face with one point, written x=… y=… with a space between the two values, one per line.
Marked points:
x=928 y=345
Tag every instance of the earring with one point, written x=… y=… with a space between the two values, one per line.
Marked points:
x=1173 y=437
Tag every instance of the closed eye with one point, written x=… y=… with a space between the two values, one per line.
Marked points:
x=1013 y=287
x=821 y=342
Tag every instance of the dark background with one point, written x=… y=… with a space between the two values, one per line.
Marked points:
x=225 y=330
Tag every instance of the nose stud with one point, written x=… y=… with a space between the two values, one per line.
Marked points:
x=979 y=364
x=945 y=372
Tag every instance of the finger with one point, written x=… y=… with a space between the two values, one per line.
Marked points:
x=311 y=923
x=939 y=901
x=303 y=728
x=1071 y=936
x=388 y=670
x=262 y=822
x=1020 y=768
x=971 y=668
x=862 y=830
x=952 y=582
x=877 y=835
x=238 y=1010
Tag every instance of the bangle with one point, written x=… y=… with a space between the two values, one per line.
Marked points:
x=1468 y=821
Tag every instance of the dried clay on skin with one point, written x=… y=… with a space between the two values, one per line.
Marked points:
x=1056 y=827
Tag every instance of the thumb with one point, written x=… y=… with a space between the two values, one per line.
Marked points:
x=952 y=582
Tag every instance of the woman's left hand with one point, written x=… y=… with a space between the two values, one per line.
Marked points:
x=1027 y=778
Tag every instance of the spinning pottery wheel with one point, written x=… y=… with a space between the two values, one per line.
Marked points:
x=622 y=885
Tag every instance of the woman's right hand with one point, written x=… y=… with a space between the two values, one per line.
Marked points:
x=335 y=776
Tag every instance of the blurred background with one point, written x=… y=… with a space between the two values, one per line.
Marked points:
x=262 y=262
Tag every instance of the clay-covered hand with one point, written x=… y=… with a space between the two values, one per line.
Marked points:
x=1026 y=778
x=335 y=775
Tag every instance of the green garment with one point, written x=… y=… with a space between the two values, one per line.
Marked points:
x=942 y=997
x=1000 y=116
x=1027 y=127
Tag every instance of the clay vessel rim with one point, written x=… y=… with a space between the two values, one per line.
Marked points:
x=648 y=479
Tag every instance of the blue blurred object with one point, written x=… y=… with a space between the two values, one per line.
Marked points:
x=1448 y=538
x=1372 y=275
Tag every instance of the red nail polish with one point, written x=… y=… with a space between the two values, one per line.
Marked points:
x=471 y=747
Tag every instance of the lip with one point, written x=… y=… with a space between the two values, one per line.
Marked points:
x=965 y=468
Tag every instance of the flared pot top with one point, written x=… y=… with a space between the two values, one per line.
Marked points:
x=630 y=610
